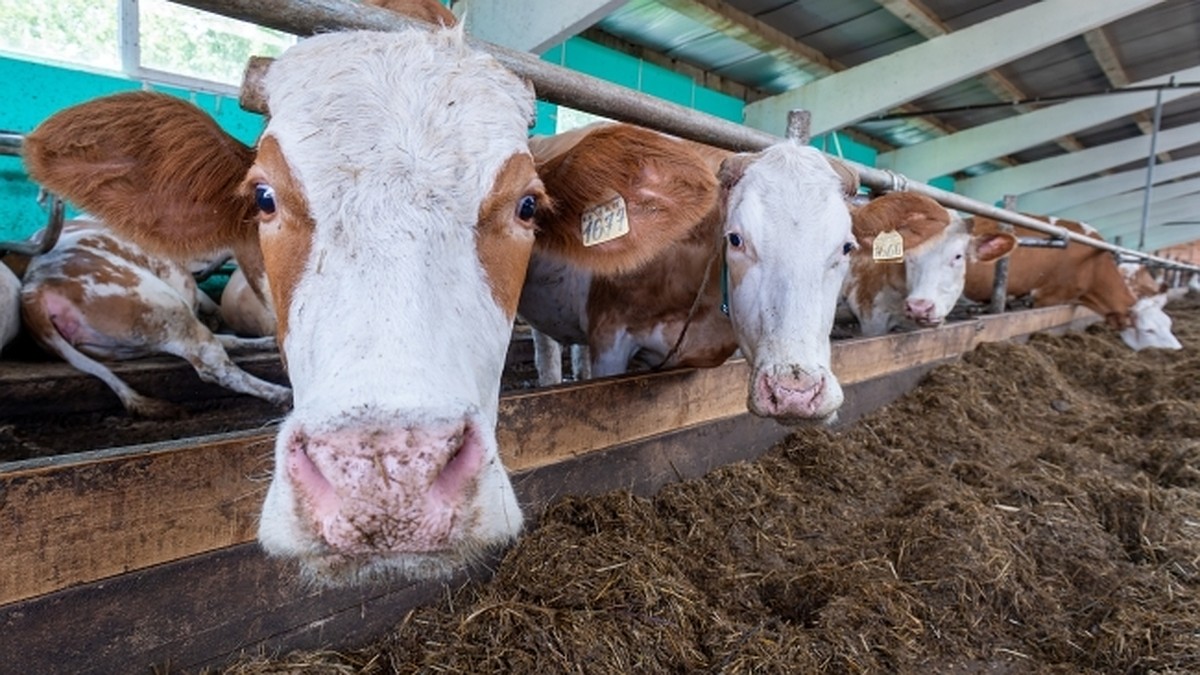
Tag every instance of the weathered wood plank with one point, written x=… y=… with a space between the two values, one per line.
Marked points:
x=73 y=520
x=205 y=610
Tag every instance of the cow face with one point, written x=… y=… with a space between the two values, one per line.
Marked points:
x=395 y=198
x=935 y=270
x=788 y=238
x=1150 y=326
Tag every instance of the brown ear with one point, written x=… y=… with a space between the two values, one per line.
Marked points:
x=992 y=246
x=916 y=217
x=845 y=172
x=733 y=168
x=155 y=168
x=429 y=11
x=666 y=186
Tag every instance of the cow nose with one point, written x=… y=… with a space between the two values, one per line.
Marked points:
x=372 y=489
x=920 y=310
x=790 y=393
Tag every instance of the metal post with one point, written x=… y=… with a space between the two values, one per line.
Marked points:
x=1150 y=168
x=1000 y=280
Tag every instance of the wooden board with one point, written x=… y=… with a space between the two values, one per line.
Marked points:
x=72 y=520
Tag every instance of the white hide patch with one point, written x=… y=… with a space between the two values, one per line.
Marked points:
x=1151 y=326
x=396 y=139
x=791 y=216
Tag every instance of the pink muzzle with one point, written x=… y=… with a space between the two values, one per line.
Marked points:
x=367 y=489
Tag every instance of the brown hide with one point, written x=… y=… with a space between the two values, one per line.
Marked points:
x=430 y=11
x=667 y=187
x=916 y=217
x=1142 y=284
x=1078 y=273
x=155 y=168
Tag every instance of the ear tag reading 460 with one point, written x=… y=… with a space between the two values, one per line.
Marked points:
x=604 y=221
x=888 y=248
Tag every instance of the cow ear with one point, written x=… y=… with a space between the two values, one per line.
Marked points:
x=987 y=247
x=665 y=188
x=733 y=168
x=846 y=173
x=153 y=167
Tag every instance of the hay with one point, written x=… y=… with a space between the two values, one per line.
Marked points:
x=1031 y=508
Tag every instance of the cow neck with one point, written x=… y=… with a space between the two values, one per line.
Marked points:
x=718 y=253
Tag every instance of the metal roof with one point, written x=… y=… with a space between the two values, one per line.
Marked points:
x=771 y=46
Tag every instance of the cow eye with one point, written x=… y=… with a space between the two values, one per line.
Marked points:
x=264 y=196
x=527 y=207
x=848 y=247
x=735 y=240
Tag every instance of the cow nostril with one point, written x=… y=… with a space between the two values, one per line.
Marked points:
x=462 y=465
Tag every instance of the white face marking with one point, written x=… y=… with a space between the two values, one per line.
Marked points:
x=935 y=273
x=394 y=341
x=793 y=226
x=1151 y=326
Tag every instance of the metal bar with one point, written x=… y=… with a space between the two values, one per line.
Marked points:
x=11 y=143
x=1150 y=162
x=1038 y=242
x=799 y=126
x=559 y=85
x=1034 y=100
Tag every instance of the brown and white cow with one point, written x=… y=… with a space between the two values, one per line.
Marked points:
x=96 y=297
x=921 y=288
x=1077 y=274
x=243 y=311
x=10 y=305
x=391 y=203
x=759 y=268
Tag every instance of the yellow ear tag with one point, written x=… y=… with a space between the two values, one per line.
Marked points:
x=604 y=221
x=888 y=248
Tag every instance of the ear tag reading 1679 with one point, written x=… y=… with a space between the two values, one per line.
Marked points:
x=888 y=248
x=604 y=221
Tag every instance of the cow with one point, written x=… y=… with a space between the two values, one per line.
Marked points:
x=390 y=206
x=429 y=11
x=95 y=297
x=10 y=305
x=242 y=311
x=1077 y=274
x=759 y=268
x=920 y=288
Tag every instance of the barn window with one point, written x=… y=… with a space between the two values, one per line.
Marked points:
x=154 y=40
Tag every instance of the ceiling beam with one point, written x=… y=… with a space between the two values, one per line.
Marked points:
x=532 y=25
x=844 y=98
x=1110 y=62
x=1055 y=199
x=1064 y=168
x=747 y=29
x=1130 y=200
x=947 y=154
x=921 y=19
x=1129 y=221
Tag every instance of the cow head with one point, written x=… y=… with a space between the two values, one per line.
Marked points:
x=393 y=196
x=1149 y=327
x=788 y=240
x=937 y=245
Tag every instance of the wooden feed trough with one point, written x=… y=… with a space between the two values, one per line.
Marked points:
x=125 y=559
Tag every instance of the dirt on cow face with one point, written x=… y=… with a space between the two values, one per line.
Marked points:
x=1031 y=508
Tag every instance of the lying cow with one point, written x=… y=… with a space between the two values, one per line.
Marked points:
x=96 y=297
x=759 y=269
x=10 y=305
x=391 y=203
x=1078 y=274
x=242 y=310
x=920 y=288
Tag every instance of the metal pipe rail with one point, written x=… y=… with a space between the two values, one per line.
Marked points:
x=11 y=143
x=560 y=85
